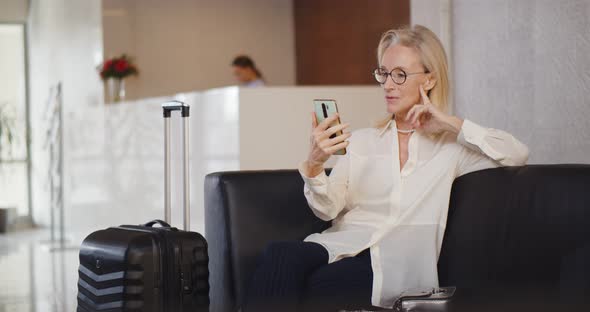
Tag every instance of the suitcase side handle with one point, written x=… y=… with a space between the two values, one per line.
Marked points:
x=184 y=109
x=157 y=221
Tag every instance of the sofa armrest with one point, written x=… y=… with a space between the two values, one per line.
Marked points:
x=244 y=211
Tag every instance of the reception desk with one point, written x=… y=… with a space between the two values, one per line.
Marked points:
x=114 y=171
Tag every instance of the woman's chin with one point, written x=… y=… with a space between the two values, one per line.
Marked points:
x=397 y=108
x=393 y=108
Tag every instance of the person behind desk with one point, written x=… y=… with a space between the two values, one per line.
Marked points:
x=246 y=72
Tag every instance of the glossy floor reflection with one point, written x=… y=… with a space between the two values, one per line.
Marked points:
x=32 y=277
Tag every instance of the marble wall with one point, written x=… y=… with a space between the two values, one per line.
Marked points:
x=64 y=46
x=523 y=66
x=13 y=175
x=434 y=14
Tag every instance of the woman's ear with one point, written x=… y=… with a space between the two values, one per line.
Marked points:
x=429 y=84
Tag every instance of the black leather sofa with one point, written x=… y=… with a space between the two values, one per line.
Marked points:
x=517 y=238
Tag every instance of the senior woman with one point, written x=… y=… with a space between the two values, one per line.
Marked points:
x=388 y=196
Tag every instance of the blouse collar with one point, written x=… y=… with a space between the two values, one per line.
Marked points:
x=386 y=127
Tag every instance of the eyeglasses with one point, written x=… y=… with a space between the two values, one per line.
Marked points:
x=398 y=75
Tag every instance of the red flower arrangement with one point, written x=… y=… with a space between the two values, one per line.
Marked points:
x=118 y=67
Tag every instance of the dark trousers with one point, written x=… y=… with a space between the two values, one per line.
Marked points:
x=296 y=276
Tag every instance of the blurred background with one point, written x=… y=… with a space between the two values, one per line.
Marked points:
x=81 y=83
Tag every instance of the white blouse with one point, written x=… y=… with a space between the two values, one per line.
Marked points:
x=400 y=216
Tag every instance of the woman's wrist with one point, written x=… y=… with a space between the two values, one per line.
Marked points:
x=313 y=168
x=453 y=124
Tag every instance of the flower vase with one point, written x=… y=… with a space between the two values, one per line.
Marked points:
x=116 y=90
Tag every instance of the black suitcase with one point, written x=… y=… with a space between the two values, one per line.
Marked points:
x=146 y=268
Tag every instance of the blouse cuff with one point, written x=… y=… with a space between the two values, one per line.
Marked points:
x=318 y=180
x=471 y=134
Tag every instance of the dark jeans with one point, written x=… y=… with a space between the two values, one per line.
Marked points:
x=296 y=276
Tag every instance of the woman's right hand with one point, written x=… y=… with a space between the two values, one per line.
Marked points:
x=322 y=147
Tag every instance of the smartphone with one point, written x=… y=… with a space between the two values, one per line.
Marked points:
x=325 y=108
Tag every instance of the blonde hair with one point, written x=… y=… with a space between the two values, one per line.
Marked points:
x=432 y=54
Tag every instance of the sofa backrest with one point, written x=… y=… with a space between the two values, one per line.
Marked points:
x=519 y=227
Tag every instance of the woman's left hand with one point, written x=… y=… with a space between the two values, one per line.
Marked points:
x=429 y=119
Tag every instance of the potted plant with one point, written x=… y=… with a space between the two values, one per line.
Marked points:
x=7 y=134
x=114 y=71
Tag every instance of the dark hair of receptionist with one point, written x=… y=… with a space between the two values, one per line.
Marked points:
x=246 y=62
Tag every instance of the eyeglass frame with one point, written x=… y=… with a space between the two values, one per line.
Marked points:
x=390 y=74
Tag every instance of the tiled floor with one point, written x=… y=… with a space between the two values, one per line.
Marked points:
x=32 y=277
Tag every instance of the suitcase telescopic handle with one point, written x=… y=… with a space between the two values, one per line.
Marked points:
x=184 y=109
